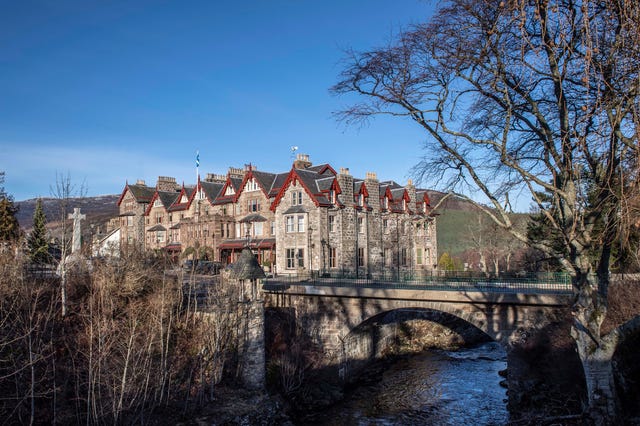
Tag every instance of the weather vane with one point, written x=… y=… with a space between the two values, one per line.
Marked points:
x=293 y=151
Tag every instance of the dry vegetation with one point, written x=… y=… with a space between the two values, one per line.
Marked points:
x=624 y=301
x=129 y=350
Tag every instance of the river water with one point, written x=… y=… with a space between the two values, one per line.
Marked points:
x=431 y=388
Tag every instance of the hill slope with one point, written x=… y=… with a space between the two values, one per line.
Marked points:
x=98 y=210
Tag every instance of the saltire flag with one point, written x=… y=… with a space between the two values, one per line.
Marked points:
x=197 y=158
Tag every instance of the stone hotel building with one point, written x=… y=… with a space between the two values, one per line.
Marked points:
x=311 y=218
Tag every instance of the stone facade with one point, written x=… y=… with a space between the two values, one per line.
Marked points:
x=311 y=219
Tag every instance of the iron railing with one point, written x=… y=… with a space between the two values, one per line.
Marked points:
x=536 y=283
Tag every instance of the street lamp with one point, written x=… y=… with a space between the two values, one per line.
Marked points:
x=324 y=244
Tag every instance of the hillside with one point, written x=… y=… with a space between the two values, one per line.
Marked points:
x=98 y=210
x=455 y=219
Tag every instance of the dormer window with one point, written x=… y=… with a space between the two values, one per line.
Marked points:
x=157 y=203
x=332 y=196
x=404 y=204
x=229 y=191
x=386 y=203
x=184 y=199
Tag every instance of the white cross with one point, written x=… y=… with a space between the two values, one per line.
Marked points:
x=76 y=241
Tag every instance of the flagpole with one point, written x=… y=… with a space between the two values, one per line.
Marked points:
x=197 y=166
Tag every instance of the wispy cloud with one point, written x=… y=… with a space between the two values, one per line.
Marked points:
x=32 y=169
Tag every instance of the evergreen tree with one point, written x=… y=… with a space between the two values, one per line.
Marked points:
x=37 y=242
x=9 y=226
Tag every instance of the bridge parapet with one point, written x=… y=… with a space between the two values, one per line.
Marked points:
x=557 y=284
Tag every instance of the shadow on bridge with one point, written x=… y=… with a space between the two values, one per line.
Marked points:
x=349 y=323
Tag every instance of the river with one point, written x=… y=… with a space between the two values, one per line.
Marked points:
x=431 y=388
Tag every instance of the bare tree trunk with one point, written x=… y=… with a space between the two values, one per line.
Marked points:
x=589 y=312
x=33 y=375
x=123 y=381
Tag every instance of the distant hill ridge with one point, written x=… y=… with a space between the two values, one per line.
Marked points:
x=99 y=209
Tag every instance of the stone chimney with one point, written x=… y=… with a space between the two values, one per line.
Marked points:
x=345 y=180
x=411 y=190
x=373 y=187
x=211 y=177
x=141 y=182
x=167 y=184
x=302 y=161
x=236 y=172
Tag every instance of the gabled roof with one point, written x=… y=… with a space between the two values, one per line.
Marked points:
x=385 y=191
x=211 y=189
x=233 y=183
x=399 y=194
x=186 y=191
x=323 y=169
x=311 y=182
x=141 y=193
x=360 y=187
x=166 y=199
x=264 y=180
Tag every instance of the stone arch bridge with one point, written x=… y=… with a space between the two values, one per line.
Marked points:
x=330 y=310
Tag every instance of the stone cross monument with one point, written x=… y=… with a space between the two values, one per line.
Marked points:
x=76 y=242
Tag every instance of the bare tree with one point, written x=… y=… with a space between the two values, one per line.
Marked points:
x=525 y=96
x=64 y=190
x=493 y=245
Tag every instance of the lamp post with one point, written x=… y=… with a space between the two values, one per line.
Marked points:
x=323 y=243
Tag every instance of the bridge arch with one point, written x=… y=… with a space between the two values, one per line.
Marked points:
x=414 y=328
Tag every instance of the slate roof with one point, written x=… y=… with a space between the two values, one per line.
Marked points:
x=323 y=169
x=277 y=183
x=317 y=180
x=264 y=179
x=422 y=194
x=310 y=180
x=211 y=189
x=168 y=198
x=235 y=183
x=253 y=217
x=295 y=209
x=142 y=193
x=247 y=267
x=324 y=183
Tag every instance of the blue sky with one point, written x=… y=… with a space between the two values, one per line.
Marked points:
x=110 y=91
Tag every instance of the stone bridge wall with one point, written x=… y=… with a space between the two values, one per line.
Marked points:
x=329 y=315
